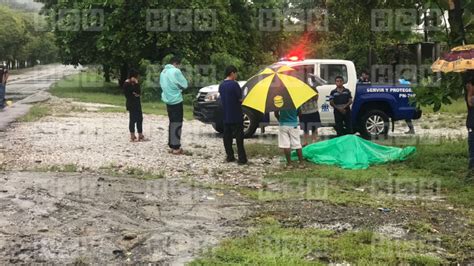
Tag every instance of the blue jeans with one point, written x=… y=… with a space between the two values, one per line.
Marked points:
x=2 y=95
x=470 y=142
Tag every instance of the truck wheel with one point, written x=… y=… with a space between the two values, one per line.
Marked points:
x=374 y=123
x=219 y=127
x=251 y=122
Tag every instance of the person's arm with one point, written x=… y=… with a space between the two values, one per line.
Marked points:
x=6 y=77
x=316 y=98
x=238 y=92
x=127 y=90
x=180 y=80
x=136 y=90
x=348 y=105
x=470 y=94
x=331 y=99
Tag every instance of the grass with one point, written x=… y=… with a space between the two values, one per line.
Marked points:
x=90 y=87
x=436 y=171
x=456 y=107
x=272 y=244
x=36 y=112
x=262 y=150
x=68 y=168
x=116 y=170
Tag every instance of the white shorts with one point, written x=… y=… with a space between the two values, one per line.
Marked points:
x=289 y=138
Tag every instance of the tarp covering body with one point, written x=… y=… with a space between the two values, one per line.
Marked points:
x=353 y=152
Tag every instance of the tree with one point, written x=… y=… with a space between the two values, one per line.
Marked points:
x=20 y=41
x=126 y=38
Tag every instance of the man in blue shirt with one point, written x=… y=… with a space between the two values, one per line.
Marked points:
x=231 y=99
x=173 y=83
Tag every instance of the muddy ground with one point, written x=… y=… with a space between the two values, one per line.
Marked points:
x=89 y=218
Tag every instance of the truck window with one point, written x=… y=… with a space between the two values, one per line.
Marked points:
x=329 y=72
x=304 y=70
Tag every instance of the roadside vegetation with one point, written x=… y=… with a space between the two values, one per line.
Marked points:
x=91 y=87
x=427 y=190
x=271 y=243
x=36 y=112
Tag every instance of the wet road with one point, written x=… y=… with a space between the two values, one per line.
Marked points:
x=29 y=86
x=37 y=79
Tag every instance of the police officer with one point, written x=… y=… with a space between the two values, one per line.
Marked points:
x=3 y=84
x=341 y=100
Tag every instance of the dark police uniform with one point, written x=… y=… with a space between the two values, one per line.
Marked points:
x=343 y=121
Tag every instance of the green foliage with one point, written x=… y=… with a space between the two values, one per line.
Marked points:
x=20 y=40
x=125 y=40
x=442 y=91
x=36 y=112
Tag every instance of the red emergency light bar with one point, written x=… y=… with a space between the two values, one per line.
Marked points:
x=292 y=58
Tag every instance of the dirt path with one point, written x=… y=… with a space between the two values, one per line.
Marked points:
x=72 y=218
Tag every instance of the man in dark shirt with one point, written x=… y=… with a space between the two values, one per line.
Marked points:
x=469 y=94
x=364 y=78
x=3 y=84
x=231 y=99
x=341 y=100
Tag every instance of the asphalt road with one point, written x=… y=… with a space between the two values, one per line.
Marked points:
x=28 y=87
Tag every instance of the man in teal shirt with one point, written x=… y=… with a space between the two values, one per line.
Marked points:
x=172 y=83
x=289 y=134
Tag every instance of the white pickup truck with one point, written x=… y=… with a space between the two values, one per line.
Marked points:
x=373 y=108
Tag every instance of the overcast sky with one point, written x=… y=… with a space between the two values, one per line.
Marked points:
x=29 y=4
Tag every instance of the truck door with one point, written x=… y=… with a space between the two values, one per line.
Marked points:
x=329 y=72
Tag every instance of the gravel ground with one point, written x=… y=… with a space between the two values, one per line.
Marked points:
x=94 y=141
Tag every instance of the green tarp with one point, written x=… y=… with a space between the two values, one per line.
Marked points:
x=353 y=152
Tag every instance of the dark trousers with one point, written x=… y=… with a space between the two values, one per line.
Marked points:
x=236 y=131
x=136 y=118
x=2 y=95
x=470 y=142
x=343 y=122
x=175 y=115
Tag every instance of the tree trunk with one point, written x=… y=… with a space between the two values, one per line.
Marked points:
x=106 y=73
x=457 y=35
x=123 y=73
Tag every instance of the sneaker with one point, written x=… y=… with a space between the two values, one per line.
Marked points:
x=410 y=132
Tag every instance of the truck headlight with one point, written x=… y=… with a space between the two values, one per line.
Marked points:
x=211 y=97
